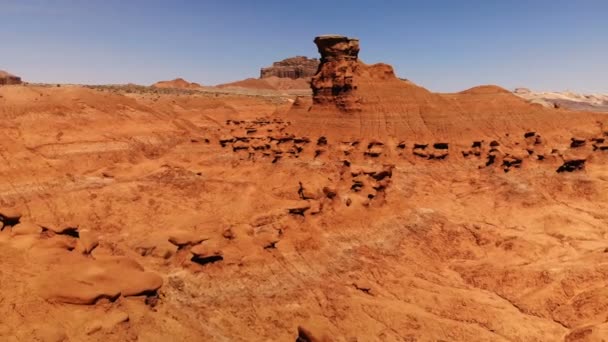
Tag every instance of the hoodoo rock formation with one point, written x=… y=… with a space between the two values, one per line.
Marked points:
x=352 y=99
x=335 y=81
x=8 y=79
x=294 y=68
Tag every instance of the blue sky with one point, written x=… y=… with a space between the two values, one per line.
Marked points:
x=442 y=45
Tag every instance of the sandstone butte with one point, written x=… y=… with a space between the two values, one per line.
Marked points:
x=372 y=210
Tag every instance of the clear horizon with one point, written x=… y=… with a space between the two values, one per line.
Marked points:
x=444 y=46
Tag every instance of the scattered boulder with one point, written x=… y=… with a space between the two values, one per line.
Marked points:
x=572 y=165
x=307 y=335
x=577 y=142
x=299 y=208
x=334 y=83
x=10 y=216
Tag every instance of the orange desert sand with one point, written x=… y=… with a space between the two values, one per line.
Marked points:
x=373 y=210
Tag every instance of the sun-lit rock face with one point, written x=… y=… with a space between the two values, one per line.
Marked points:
x=335 y=82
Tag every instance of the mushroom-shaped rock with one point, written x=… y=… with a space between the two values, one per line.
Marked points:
x=107 y=322
x=305 y=334
x=571 y=165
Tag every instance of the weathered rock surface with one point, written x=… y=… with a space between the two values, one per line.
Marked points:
x=294 y=68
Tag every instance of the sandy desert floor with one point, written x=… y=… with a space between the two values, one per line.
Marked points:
x=196 y=217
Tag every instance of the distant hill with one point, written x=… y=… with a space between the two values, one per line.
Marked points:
x=8 y=78
x=178 y=83
x=269 y=83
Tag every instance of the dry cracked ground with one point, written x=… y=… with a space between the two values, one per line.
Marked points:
x=198 y=217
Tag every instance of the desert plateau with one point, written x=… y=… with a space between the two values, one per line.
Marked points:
x=326 y=200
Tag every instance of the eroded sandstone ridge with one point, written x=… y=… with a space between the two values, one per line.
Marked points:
x=294 y=68
x=353 y=100
x=8 y=79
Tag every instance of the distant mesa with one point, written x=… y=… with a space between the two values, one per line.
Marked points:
x=294 y=68
x=9 y=79
x=289 y=74
x=178 y=83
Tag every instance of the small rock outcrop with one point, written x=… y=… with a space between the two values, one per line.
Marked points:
x=9 y=79
x=294 y=68
x=335 y=82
